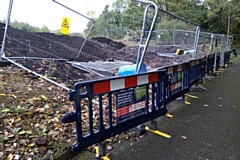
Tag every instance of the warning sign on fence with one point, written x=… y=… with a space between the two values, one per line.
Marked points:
x=130 y=104
x=65 y=25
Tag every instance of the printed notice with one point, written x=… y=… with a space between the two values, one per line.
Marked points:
x=176 y=82
x=130 y=104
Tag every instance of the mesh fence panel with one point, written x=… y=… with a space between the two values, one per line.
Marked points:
x=75 y=58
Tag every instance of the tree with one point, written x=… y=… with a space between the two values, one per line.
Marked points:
x=125 y=13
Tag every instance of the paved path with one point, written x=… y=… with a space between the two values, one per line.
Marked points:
x=207 y=129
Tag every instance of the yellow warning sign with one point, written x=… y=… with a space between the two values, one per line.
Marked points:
x=65 y=25
x=91 y=13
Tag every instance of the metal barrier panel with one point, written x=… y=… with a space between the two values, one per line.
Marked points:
x=226 y=59
x=195 y=71
x=204 y=65
x=234 y=52
x=210 y=62
x=229 y=56
x=218 y=58
x=177 y=81
x=114 y=105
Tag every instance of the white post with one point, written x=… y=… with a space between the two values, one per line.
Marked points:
x=6 y=27
x=228 y=41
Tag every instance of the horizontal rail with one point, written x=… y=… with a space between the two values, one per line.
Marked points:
x=39 y=75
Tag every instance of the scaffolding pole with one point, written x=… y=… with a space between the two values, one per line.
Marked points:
x=5 y=31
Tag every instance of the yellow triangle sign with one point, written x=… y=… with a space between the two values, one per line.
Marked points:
x=65 y=25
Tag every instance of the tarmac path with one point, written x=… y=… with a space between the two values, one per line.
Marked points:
x=206 y=129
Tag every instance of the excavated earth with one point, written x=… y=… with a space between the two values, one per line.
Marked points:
x=45 y=46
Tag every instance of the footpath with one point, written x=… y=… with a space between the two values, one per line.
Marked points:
x=206 y=129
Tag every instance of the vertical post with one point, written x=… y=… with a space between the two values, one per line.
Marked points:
x=228 y=21
x=173 y=36
x=6 y=27
x=228 y=41
x=85 y=39
x=221 y=44
x=211 y=44
x=102 y=148
x=197 y=33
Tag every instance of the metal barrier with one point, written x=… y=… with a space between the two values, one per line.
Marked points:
x=234 y=52
x=210 y=63
x=107 y=107
x=177 y=81
x=226 y=59
x=112 y=106
x=204 y=65
x=217 y=63
x=195 y=71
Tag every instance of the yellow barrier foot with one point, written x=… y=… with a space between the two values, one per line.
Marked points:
x=158 y=132
x=96 y=151
x=210 y=76
x=97 y=154
x=186 y=102
x=169 y=115
x=105 y=158
x=192 y=96
x=221 y=69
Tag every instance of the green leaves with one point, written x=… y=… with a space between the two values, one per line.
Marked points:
x=5 y=110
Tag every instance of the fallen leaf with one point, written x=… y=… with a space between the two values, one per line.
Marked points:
x=43 y=97
x=184 y=137
x=16 y=157
x=2 y=94
x=22 y=148
x=22 y=132
x=18 y=119
x=41 y=141
x=22 y=101
x=31 y=144
x=233 y=106
x=37 y=99
x=15 y=130
x=1 y=154
x=205 y=105
x=51 y=88
x=59 y=125
x=5 y=110
x=42 y=126
x=11 y=135
x=10 y=157
x=12 y=95
x=42 y=150
x=15 y=145
x=50 y=132
x=109 y=147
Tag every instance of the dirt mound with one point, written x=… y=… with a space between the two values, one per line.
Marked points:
x=45 y=46
x=110 y=42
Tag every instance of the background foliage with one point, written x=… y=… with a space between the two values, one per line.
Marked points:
x=212 y=15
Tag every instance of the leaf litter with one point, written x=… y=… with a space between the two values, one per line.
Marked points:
x=30 y=118
x=31 y=109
